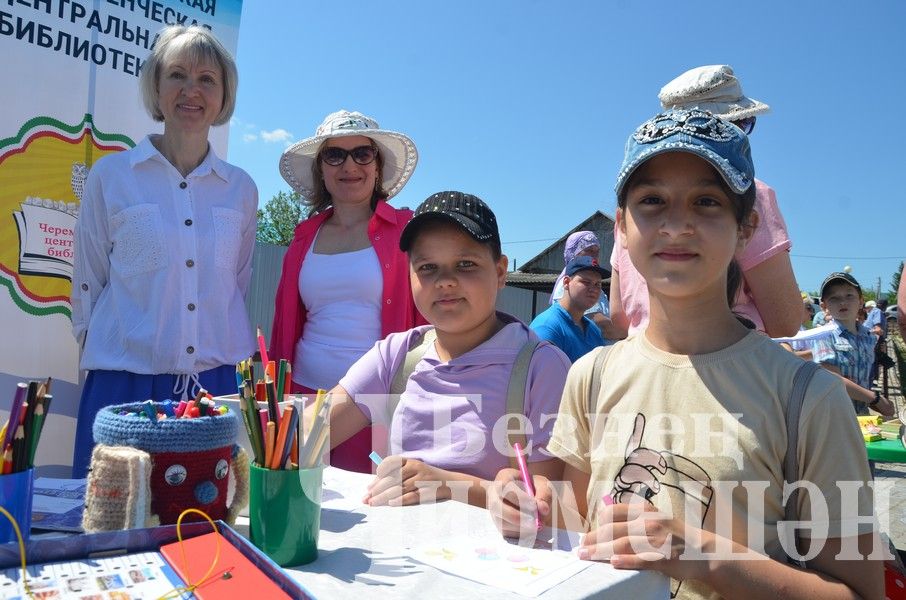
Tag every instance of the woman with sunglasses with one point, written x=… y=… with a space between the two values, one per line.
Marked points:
x=345 y=282
x=769 y=294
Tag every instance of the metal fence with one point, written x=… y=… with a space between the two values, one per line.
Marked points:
x=268 y=261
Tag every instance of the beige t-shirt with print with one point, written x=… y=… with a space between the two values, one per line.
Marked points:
x=704 y=437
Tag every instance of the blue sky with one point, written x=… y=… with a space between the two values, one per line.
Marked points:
x=528 y=104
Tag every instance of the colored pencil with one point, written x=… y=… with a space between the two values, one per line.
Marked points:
x=20 y=451
x=290 y=436
x=319 y=402
x=262 y=349
x=36 y=432
x=249 y=426
x=280 y=442
x=269 y=443
x=7 y=461
x=288 y=380
x=281 y=380
x=15 y=413
x=31 y=403
x=526 y=478
x=262 y=420
x=273 y=408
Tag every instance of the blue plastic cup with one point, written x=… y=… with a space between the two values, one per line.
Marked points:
x=15 y=496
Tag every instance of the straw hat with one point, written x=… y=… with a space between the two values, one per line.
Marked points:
x=397 y=151
x=713 y=88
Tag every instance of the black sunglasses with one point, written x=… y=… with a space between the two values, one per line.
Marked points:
x=362 y=155
x=747 y=125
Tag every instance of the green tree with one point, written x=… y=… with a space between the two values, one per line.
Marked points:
x=279 y=217
x=895 y=284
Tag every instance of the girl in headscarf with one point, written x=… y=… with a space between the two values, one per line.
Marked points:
x=580 y=243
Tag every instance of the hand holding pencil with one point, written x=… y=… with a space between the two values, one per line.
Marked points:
x=514 y=510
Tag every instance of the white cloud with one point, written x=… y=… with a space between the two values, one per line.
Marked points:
x=249 y=137
x=237 y=122
x=277 y=135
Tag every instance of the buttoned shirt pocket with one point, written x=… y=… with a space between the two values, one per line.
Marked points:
x=138 y=245
x=227 y=236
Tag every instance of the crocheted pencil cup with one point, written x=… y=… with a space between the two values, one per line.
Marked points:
x=145 y=471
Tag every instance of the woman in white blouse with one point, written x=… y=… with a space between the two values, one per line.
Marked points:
x=164 y=245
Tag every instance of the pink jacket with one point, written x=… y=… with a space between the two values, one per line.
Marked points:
x=398 y=312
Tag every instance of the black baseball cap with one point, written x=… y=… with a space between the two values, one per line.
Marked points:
x=840 y=277
x=468 y=211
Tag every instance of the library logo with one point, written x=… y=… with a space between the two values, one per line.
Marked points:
x=42 y=177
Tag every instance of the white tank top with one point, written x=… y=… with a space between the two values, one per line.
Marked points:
x=342 y=294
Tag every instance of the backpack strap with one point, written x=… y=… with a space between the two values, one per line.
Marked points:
x=417 y=348
x=801 y=380
x=594 y=388
x=515 y=393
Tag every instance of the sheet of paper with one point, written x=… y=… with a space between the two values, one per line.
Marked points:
x=344 y=492
x=57 y=504
x=500 y=563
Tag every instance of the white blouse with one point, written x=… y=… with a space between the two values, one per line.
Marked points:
x=162 y=264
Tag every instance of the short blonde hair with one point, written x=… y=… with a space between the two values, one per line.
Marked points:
x=198 y=45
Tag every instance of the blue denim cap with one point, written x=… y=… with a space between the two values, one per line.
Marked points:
x=585 y=263
x=698 y=132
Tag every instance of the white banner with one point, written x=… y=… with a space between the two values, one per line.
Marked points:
x=71 y=78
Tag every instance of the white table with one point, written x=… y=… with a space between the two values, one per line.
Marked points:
x=362 y=553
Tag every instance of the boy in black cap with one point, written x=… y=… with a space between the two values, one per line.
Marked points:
x=452 y=378
x=564 y=323
x=850 y=351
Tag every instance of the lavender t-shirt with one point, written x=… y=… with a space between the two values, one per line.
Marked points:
x=450 y=414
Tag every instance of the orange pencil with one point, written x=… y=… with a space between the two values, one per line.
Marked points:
x=269 y=443
x=281 y=438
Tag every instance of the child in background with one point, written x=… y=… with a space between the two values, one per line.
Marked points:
x=683 y=425
x=850 y=351
x=441 y=430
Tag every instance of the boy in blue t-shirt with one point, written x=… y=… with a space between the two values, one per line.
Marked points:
x=564 y=323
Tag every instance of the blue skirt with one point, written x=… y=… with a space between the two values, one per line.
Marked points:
x=106 y=388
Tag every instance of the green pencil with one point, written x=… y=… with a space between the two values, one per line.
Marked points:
x=40 y=414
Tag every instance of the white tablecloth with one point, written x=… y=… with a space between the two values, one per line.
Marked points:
x=362 y=553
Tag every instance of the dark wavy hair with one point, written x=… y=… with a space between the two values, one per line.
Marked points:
x=320 y=200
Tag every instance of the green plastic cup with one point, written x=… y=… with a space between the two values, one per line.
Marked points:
x=285 y=513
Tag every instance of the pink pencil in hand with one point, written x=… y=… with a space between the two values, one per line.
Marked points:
x=526 y=478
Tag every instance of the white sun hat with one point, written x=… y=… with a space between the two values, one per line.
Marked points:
x=713 y=88
x=397 y=151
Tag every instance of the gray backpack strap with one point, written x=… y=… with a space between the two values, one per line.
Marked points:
x=594 y=389
x=515 y=392
x=417 y=348
x=801 y=380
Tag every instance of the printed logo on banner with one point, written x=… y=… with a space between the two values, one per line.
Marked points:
x=42 y=175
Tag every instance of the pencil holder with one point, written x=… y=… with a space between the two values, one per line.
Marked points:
x=15 y=497
x=146 y=471
x=285 y=513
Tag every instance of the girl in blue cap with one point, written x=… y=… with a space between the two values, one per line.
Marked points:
x=673 y=442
